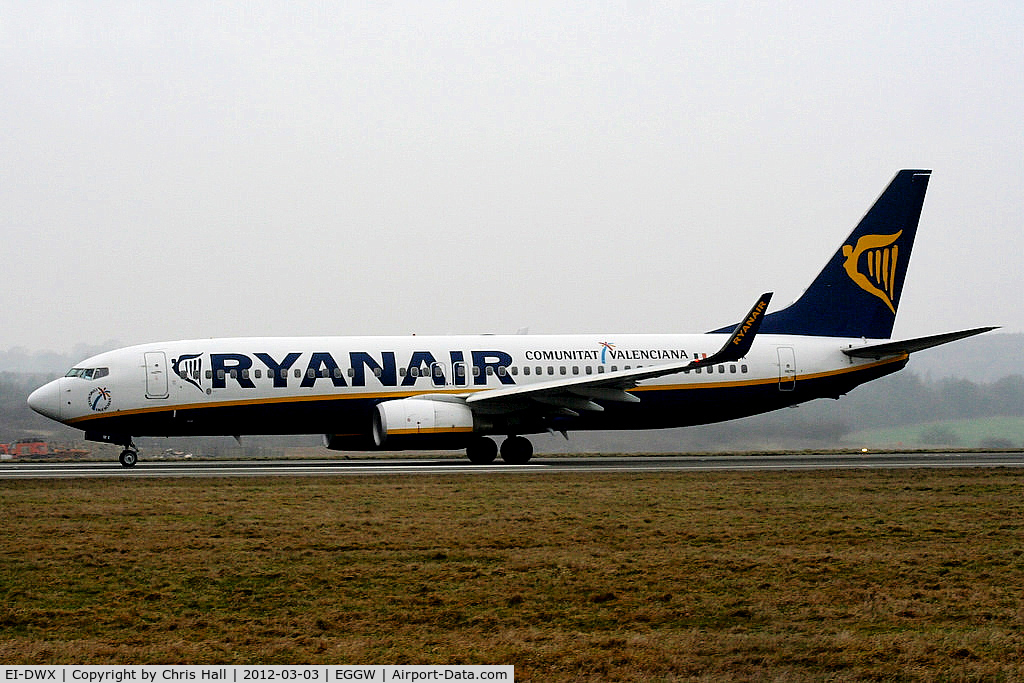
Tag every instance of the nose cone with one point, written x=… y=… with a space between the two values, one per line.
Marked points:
x=46 y=400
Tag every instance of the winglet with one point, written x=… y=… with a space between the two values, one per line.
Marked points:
x=741 y=338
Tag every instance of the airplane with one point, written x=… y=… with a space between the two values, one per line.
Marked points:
x=455 y=392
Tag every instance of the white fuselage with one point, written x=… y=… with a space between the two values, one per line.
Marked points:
x=330 y=385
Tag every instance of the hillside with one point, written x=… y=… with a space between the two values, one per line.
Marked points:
x=985 y=358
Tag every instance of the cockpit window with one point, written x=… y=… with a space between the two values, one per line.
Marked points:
x=88 y=373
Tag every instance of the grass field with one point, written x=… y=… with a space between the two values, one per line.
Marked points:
x=988 y=432
x=902 y=575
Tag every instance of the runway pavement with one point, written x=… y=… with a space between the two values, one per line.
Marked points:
x=539 y=465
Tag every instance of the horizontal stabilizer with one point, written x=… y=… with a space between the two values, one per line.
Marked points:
x=878 y=351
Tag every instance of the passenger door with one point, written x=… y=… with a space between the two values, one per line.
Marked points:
x=156 y=374
x=787 y=368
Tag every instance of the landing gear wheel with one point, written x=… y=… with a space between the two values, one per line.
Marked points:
x=516 y=450
x=482 y=451
x=129 y=457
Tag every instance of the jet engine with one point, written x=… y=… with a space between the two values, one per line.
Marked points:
x=415 y=423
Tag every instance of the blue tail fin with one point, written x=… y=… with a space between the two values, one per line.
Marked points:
x=858 y=292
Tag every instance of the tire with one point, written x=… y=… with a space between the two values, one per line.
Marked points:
x=482 y=451
x=516 y=450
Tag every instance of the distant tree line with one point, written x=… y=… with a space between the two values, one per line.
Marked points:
x=906 y=398
x=17 y=420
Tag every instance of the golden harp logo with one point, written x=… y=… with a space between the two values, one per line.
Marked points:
x=881 y=254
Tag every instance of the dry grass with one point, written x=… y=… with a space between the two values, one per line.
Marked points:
x=788 y=576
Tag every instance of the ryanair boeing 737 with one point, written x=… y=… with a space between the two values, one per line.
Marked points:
x=366 y=393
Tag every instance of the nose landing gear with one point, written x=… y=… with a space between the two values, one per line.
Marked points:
x=130 y=454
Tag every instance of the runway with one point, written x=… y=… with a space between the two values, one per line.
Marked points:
x=537 y=466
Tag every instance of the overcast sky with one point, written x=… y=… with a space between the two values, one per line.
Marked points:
x=174 y=170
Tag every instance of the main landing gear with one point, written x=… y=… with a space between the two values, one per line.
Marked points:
x=515 y=450
x=482 y=451
x=129 y=456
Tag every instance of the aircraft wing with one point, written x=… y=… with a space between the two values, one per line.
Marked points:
x=568 y=396
x=878 y=351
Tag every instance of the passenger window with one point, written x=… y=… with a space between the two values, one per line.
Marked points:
x=376 y=372
x=575 y=369
x=526 y=370
x=615 y=368
x=587 y=370
x=298 y=373
x=245 y=374
x=220 y=374
x=539 y=370
x=476 y=370
x=502 y=371
x=490 y=370
x=551 y=370
x=209 y=374
x=351 y=372
x=732 y=369
x=561 y=370
x=514 y=370
x=401 y=372
x=743 y=368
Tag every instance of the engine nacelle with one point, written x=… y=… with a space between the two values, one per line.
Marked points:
x=414 y=423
